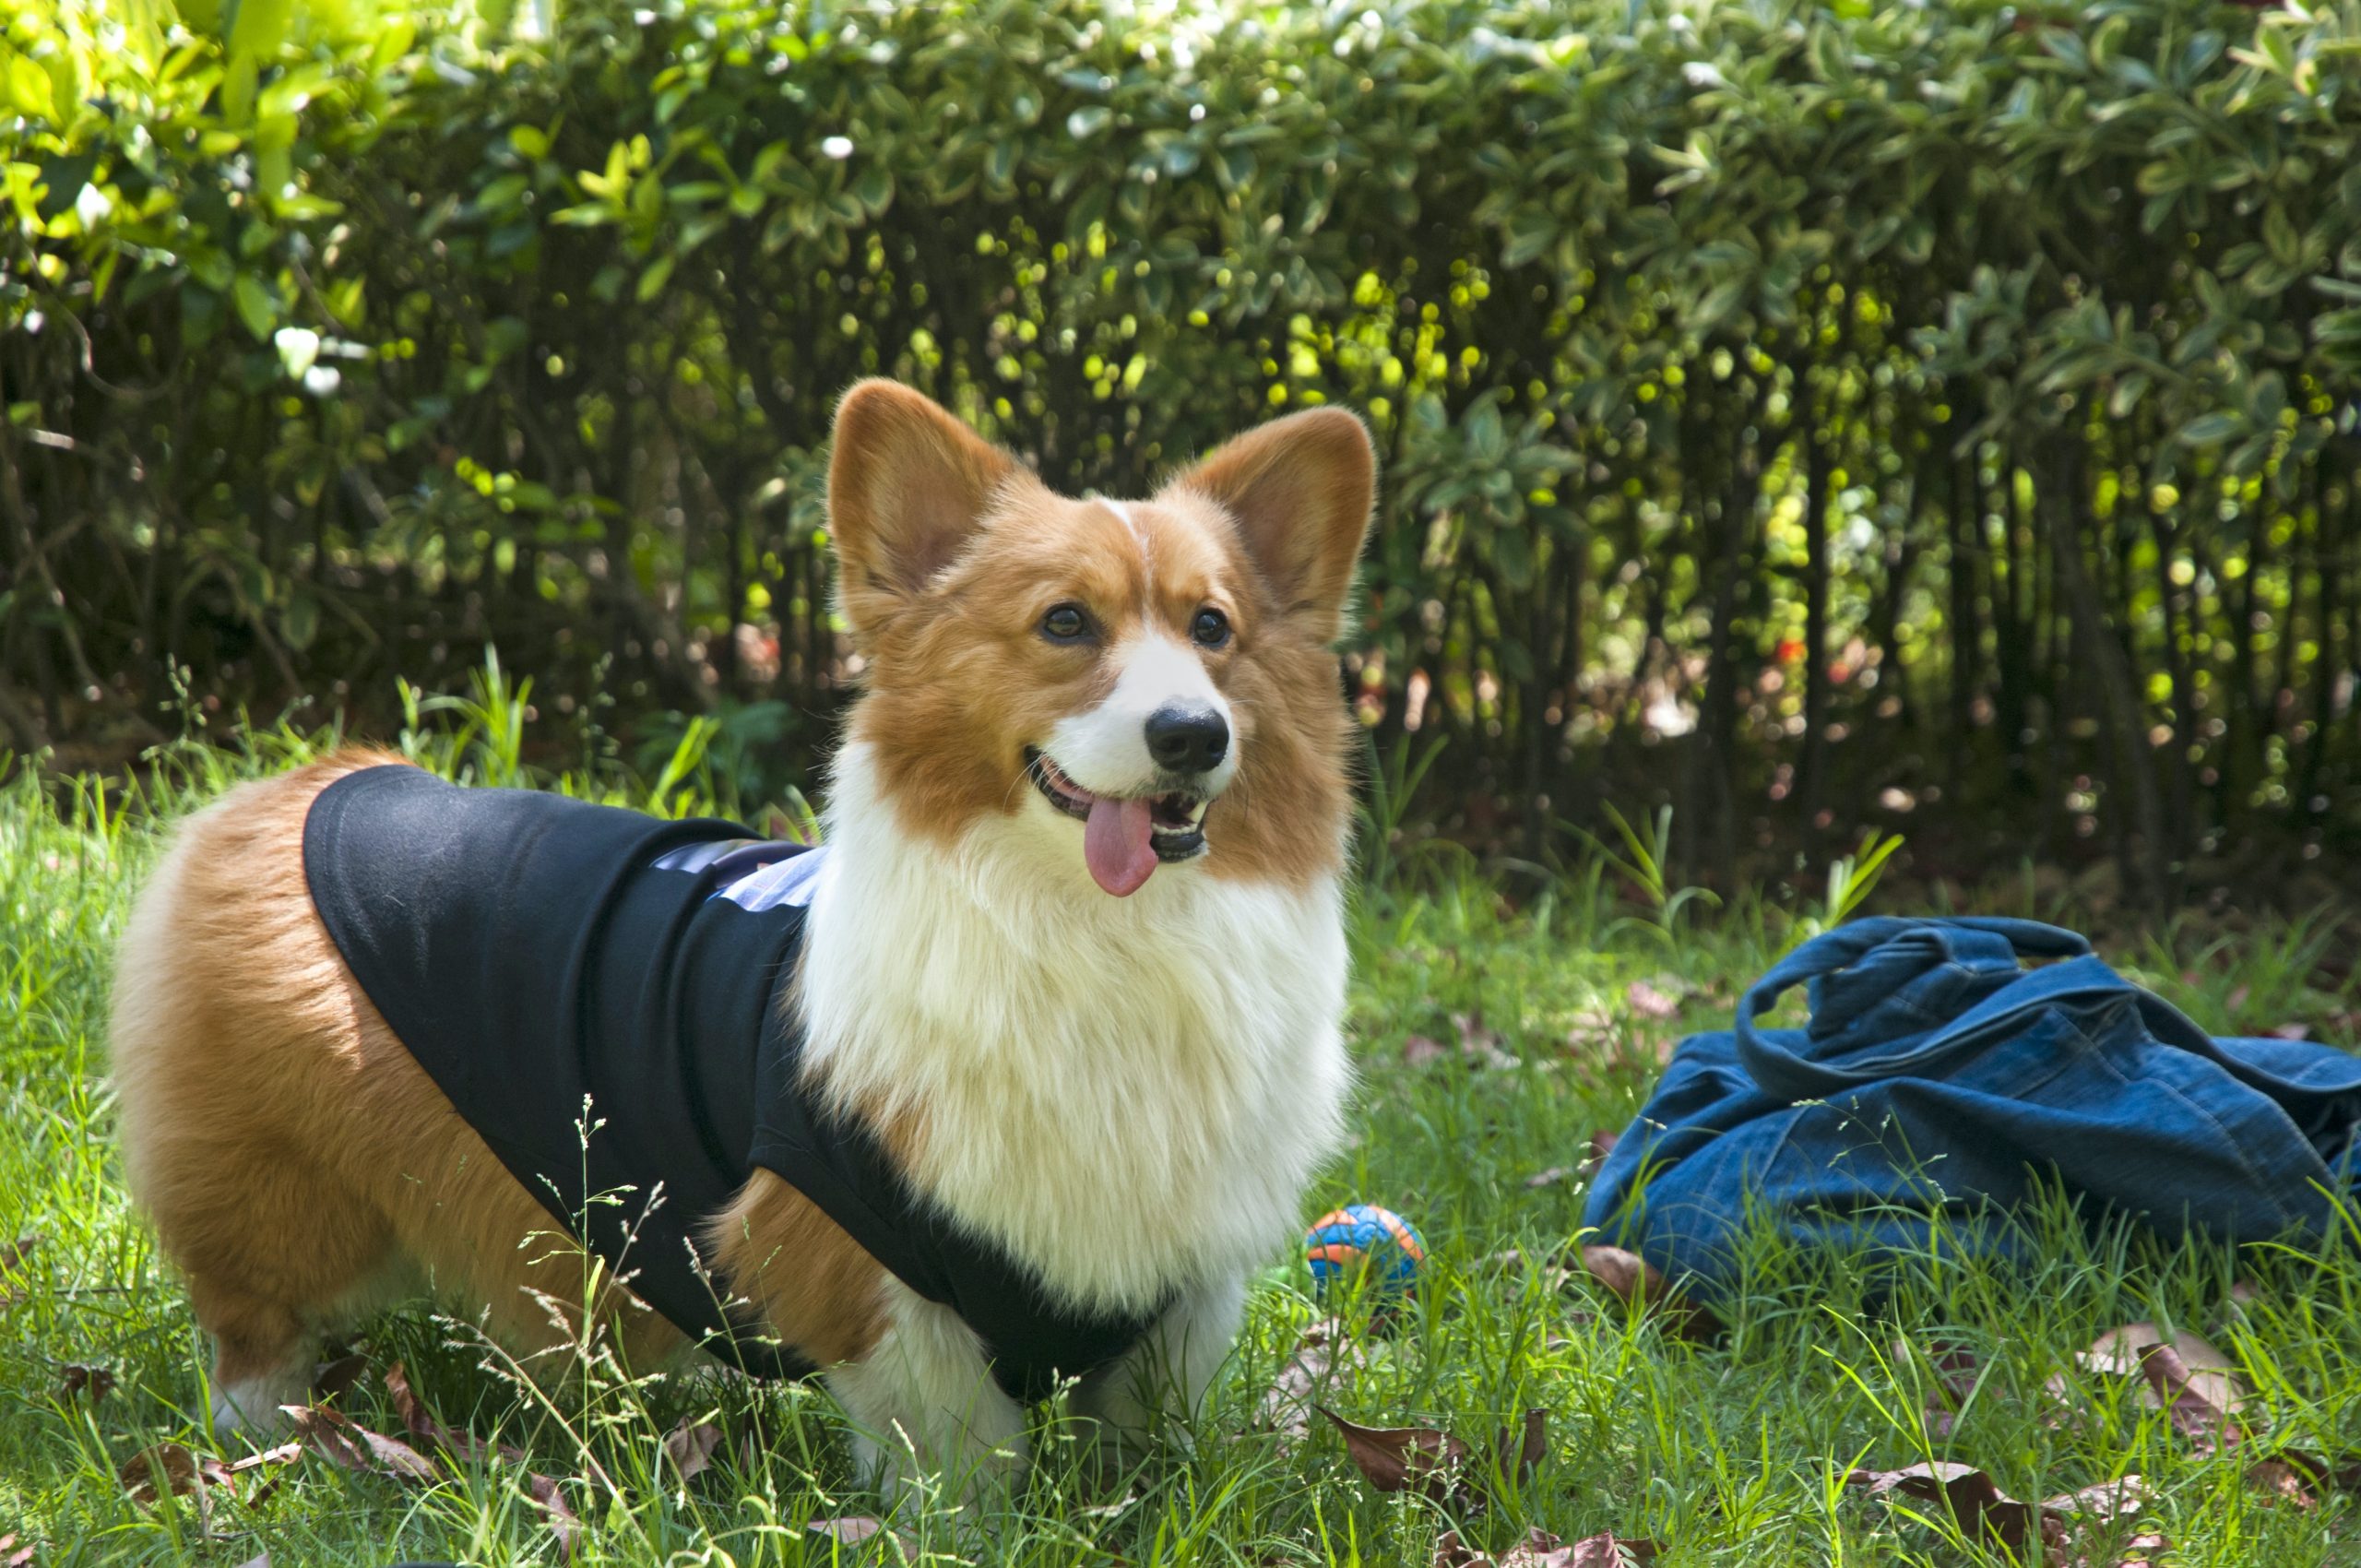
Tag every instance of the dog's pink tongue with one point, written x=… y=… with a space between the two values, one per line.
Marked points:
x=1115 y=845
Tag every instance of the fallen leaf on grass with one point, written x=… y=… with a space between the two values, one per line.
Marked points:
x=1979 y=1506
x=172 y=1466
x=1636 y=1282
x=1539 y=1549
x=1954 y=1368
x=852 y=1529
x=1518 y=1450
x=97 y=1382
x=338 y=1376
x=690 y=1447
x=1420 y=1459
x=1600 y=1144
x=563 y=1525
x=1478 y=1043
x=2193 y=1384
x=2208 y=1374
x=348 y=1445
x=2195 y=1411
x=1591 y=1551
x=12 y=1555
x=1649 y=1003
x=423 y=1427
x=2142 y=1552
x=470 y=1449
x=1434 y=1464
x=2295 y=1473
x=1324 y=1353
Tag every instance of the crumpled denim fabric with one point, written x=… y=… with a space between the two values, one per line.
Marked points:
x=1939 y=1073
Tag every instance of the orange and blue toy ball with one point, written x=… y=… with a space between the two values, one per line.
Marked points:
x=1366 y=1241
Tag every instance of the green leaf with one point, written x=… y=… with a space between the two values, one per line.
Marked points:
x=2210 y=430
x=29 y=90
x=1532 y=229
x=652 y=282
x=258 y=26
x=1085 y=124
x=257 y=305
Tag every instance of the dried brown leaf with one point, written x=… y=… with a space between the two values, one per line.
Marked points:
x=690 y=1447
x=2142 y=1551
x=851 y=1529
x=1634 y=1281
x=1593 y=1032
x=284 y=1454
x=1324 y=1353
x=1517 y=1452
x=1479 y=1044
x=563 y=1525
x=2193 y=1411
x=2108 y=1499
x=1954 y=1368
x=348 y=1445
x=12 y=1555
x=171 y=1466
x=1979 y=1506
x=2282 y=1480
x=1647 y=1001
x=76 y=1378
x=1420 y=1459
x=1609 y=1551
x=1970 y=1496
x=1419 y=1049
x=423 y=1426
x=332 y=1378
x=1539 y=1549
x=2211 y=1375
x=1452 y=1552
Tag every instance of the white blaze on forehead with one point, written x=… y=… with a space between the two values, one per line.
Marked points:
x=1122 y=511
x=1105 y=749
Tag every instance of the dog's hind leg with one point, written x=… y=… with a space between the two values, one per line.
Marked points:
x=233 y=1043
x=270 y=1267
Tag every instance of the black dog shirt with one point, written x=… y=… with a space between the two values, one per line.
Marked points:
x=601 y=996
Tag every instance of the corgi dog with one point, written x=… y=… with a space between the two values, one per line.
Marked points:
x=1011 y=1083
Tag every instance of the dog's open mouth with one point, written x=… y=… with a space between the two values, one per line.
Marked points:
x=1123 y=839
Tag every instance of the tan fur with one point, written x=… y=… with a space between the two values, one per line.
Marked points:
x=300 y=1166
x=1264 y=530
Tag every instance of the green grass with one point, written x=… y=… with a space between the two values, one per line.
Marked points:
x=1729 y=1453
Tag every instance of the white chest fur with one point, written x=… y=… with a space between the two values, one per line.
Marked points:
x=1130 y=1094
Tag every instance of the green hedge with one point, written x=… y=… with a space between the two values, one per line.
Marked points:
x=1813 y=415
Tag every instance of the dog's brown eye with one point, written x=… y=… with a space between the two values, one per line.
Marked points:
x=1211 y=628
x=1065 y=624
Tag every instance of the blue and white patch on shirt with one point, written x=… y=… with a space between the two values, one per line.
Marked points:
x=750 y=872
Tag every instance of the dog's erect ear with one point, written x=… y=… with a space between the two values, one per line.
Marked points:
x=907 y=484
x=1300 y=489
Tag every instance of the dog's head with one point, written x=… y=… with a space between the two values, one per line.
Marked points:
x=1134 y=684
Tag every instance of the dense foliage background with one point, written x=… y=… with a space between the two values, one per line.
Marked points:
x=1939 y=416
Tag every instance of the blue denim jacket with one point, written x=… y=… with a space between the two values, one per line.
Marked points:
x=1938 y=1074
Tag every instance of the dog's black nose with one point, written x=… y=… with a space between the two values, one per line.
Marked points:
x=1184 y=740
